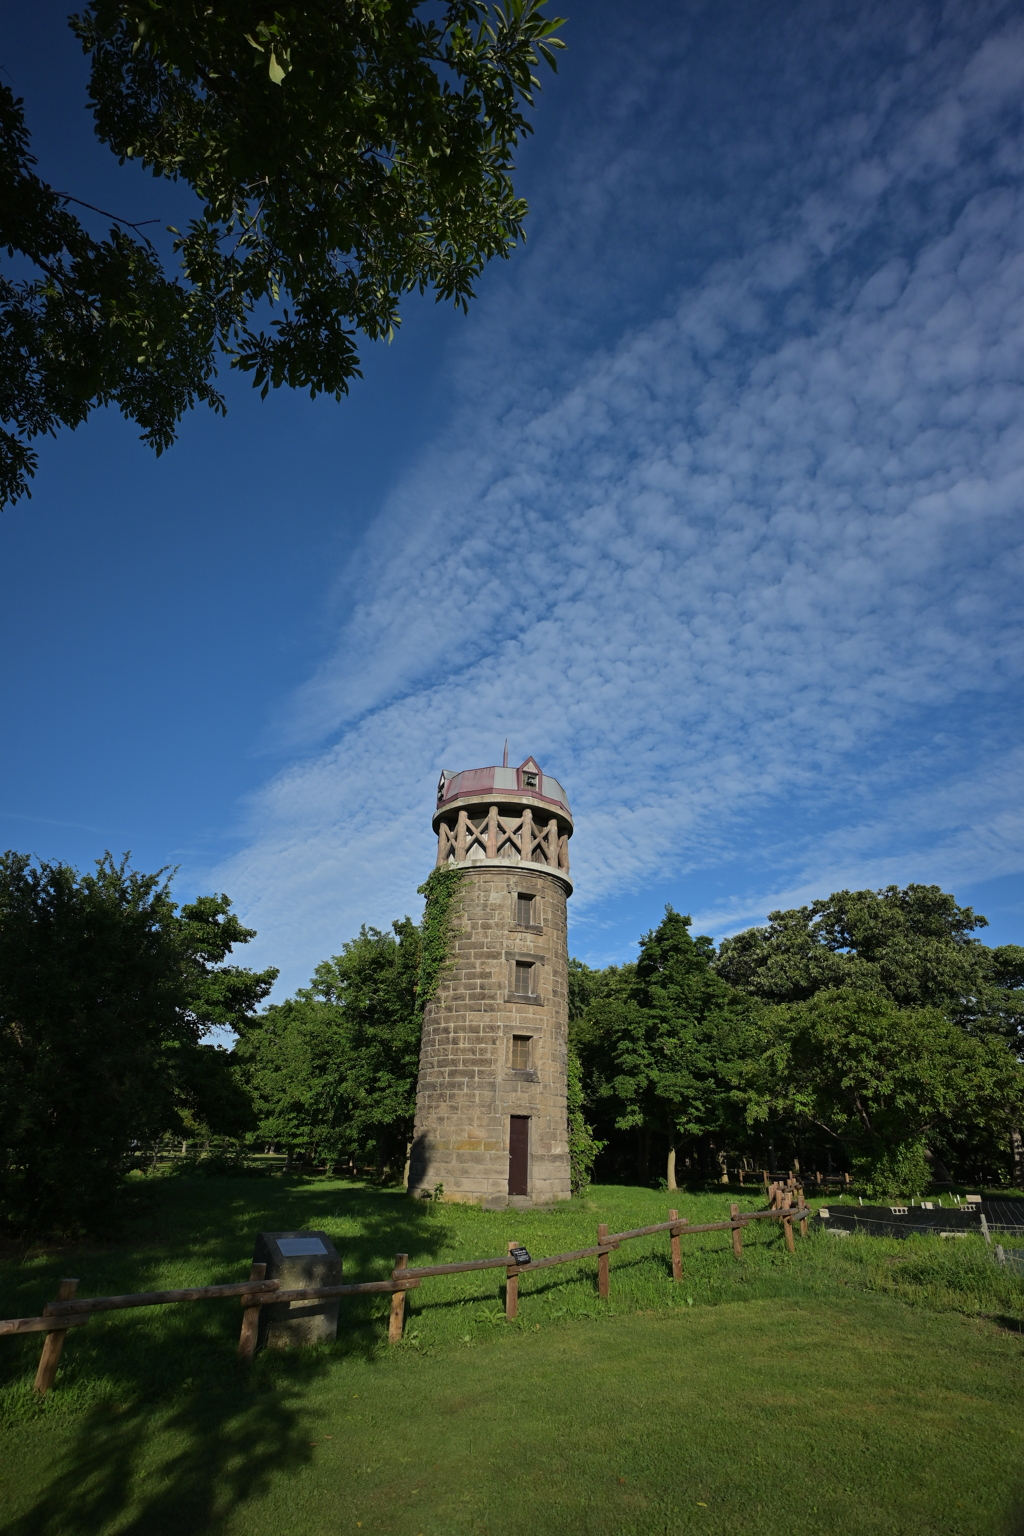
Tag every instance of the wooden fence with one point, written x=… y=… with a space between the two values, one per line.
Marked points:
x=72 y=1311
x=748 y=1177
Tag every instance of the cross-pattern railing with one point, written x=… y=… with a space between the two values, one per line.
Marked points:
x=493 y=836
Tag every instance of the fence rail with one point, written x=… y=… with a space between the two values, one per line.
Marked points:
x=70 y=1311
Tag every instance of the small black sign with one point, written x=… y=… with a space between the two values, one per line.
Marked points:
x=520 y=1256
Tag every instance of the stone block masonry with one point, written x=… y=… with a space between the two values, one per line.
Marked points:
x=491 y=1122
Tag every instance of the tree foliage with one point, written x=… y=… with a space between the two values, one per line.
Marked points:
x=584 y=1147
x=879 y=1080
x=343 y=154
x=333 y=1070
x=871 y=1029
x=106 y=991
x=915 y=946
x=657 y=1041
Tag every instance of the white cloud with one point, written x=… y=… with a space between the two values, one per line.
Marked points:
x=764 y=549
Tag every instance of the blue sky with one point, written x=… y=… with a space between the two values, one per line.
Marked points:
x=713 y=504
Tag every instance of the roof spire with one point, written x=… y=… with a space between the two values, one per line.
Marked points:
x=504 y=761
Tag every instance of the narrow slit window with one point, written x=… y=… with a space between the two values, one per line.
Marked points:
x=524 y=978
x=520 y=1053
x=524 y=909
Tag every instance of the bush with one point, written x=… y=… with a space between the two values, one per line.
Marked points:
x=900 y=1170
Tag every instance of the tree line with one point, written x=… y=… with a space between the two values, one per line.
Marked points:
x=871 y=1032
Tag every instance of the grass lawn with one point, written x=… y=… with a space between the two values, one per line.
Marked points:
x=858 y=1386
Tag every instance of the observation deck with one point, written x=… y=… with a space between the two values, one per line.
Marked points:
x=502 y=815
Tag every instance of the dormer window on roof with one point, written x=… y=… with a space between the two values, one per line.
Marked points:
x=481 y=783
x=529 y=774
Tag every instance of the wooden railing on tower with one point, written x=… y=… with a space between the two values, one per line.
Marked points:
x=492 y=836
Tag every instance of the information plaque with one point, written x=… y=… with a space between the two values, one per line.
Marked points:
x=299 y=1260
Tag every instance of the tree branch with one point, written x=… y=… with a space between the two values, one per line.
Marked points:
x=67 y=198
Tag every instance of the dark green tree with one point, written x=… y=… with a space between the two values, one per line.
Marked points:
x=343 y=154
x=584 y=1147
x=915 y=948
x=290 y=1061
x=333 y=1070
x=657 y=1042
x=878 y=1079
x=914 y=945
x=106 y=991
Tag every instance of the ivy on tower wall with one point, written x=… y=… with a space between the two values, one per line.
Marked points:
x=441 y=889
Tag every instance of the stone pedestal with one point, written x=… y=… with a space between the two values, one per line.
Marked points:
x=298 y=1259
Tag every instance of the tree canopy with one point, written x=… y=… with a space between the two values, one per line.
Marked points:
x=332 y=1071
x=881 y=1082
x=871 y=1030
x=657 y=1040
x=913 y=945
x=343 y=155
x=106 y=990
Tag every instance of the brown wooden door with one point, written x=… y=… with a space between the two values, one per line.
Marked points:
x=519 y=1155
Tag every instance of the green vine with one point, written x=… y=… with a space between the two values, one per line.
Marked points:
x=441 y=888
x=583 y=1145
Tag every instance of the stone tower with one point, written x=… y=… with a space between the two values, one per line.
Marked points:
x=490 y=1099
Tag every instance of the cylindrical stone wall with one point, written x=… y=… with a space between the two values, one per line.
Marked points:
x=493 y=1056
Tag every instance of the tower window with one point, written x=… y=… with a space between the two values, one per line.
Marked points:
x=520 y=1053
x=524 y=978
x=529 y=781
x=524 y=909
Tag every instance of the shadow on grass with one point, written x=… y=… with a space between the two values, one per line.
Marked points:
x=155 y=1469
x=201 y=1232
x=179 y=1436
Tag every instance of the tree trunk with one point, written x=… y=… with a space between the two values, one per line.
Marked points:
x=670 y=1177
x=1017 y=1145
x=643 y=1153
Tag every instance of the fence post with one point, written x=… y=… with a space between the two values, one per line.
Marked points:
x=397 y=1318
x=53 y=1344
x=602 y=1263
x=803 y=1219
x=511 y=1289
x=787 y=1223
x=250 y=1320
x=737 y=1231
x=677 y=1256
